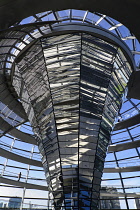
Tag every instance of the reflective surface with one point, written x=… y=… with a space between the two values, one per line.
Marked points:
x=71 y=88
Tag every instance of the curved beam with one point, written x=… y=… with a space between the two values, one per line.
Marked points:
x=19 y=158
x=122 y=169
x=124 y=146
x=12 y=11
x=133 y=195
x=127 y=123
x=64 y=28
x=23 y=184
x=8 y=99
x=44 y=188
x=25 y=137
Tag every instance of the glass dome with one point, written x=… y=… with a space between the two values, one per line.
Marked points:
x=22 y=178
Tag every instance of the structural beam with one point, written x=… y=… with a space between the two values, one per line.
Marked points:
x=19 y=158
x=45 y=188
x=127 y=123
x=124 y=146
x=122 y=169
x=133 y=195
x=25 y=137
x=22 y=136
x=23 y=184
x=8 y=99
